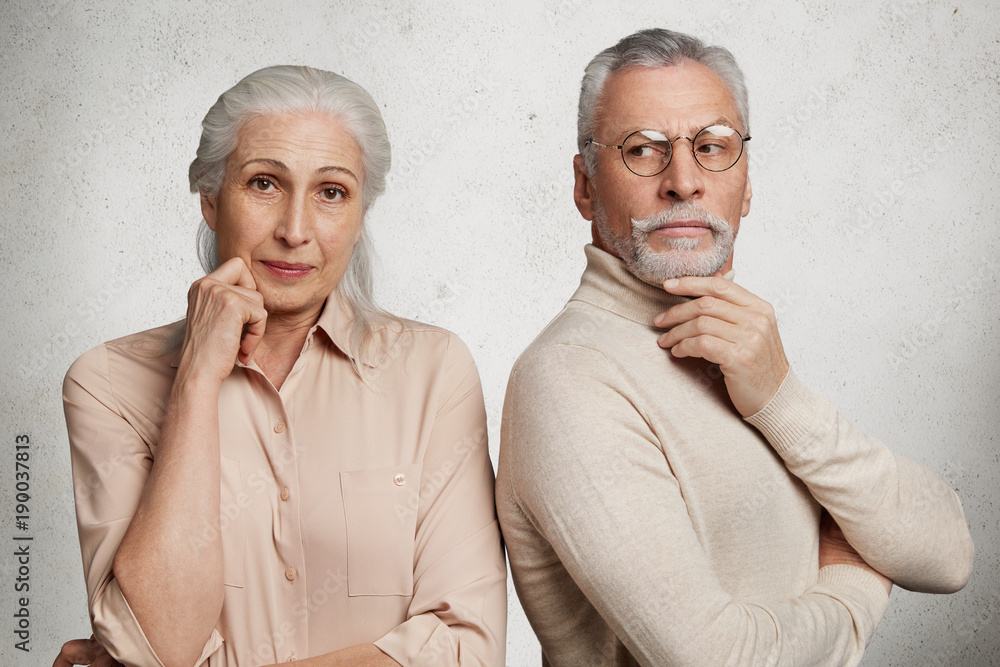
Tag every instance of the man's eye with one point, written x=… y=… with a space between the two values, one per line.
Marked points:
x=645 y=150
x=710 y=148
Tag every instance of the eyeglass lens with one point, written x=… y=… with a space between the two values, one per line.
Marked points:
x=716 y=148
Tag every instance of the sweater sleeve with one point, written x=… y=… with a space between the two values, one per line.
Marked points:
x=580 y=468
x=901 y=517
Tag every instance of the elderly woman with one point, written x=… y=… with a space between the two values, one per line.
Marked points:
x=290 y=473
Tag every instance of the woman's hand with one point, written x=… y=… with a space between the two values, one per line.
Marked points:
x=225 y=321
x=169 y=563
x=84 y=652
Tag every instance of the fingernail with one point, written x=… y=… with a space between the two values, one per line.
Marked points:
x=672 y=282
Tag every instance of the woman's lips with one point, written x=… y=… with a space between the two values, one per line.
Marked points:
x=285 y=270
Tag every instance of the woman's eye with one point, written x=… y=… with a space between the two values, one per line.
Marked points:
x=262 y=184
x=333 y=194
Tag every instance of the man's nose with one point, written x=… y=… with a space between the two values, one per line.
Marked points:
x=683 y=178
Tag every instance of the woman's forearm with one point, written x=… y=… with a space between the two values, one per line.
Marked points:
x=362 y=655
x=169 y=564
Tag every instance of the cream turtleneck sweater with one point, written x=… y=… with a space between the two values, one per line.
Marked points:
x=647 y=522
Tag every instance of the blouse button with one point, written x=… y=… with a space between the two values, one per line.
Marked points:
x=290 y=574
x=284 y=493
x=399 y=479
x=279 y=427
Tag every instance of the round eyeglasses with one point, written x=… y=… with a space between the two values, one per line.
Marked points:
x=648 y=152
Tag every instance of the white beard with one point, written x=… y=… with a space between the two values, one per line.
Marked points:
x=683 y=258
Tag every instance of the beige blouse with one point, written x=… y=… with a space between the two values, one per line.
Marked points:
x=348 y=516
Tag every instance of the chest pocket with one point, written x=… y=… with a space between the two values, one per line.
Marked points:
x=380 y=507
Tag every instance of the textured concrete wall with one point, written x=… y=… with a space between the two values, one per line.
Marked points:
x=874 y=225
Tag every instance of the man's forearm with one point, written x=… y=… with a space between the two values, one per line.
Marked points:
x=901 y=517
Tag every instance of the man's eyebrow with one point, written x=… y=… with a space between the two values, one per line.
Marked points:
x=723 y=120
x=281 y=166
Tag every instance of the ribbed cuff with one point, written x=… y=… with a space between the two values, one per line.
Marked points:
x=860 y=585
x=792 y=414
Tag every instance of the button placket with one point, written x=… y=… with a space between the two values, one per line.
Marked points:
x=284 y=467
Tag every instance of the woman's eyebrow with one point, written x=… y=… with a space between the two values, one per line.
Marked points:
x=345 y=170
x=281 y=166
x=277 y=164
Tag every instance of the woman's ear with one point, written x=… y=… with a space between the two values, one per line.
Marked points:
x=208 y=209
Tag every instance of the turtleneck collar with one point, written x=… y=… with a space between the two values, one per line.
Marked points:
x=609 y=285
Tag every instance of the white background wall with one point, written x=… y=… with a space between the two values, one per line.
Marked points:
x=873 y=230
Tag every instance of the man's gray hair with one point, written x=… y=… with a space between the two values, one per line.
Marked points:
x=655 y=47
x=291 y=89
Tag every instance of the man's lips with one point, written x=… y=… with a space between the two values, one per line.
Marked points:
x=286 y=270
x=684 y=228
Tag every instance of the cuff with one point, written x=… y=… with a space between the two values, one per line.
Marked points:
x=792 y=414
x=851 y=584
x=116 y=627
x=421 y=640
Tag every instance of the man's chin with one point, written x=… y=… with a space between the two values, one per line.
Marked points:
x=655 y=267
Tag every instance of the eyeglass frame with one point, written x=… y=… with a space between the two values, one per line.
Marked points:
x=670 y=142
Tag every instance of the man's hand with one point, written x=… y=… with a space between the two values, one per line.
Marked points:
x=834 y=549
x=84 y=652
x=727 y=325
x=225 y=320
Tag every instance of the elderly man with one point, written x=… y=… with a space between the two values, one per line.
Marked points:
x=670 y=493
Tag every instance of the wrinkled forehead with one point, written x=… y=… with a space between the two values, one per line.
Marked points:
x=674 y=99
x=297 y=141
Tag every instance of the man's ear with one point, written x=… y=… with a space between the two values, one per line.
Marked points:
x=747 y=194
x=208 y=209
x=582 y=189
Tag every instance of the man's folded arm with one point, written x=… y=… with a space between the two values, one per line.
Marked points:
x=903 y=519
x=583 y=468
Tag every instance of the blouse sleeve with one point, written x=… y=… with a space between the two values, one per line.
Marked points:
x=458 y=612
x=111 y=462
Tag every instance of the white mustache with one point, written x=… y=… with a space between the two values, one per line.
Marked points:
x=686 y=210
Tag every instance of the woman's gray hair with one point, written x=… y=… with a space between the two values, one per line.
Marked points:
x=291 y=89
x=655 y=47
